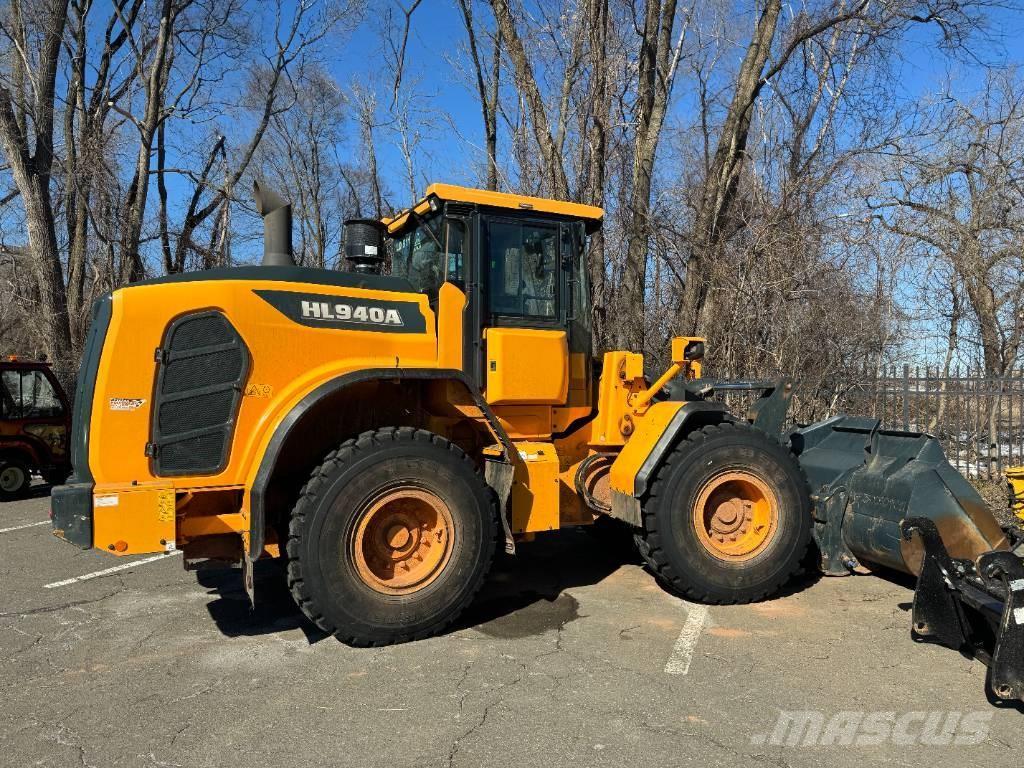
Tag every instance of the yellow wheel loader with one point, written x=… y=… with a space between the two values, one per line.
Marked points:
x=385 y=433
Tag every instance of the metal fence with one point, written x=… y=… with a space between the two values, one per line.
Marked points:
x=978 y=419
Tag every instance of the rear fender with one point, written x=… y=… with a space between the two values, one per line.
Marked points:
x=498 y=475
x=662 y=427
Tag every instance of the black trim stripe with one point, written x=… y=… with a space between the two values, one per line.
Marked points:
x=85 y=389
x=289 y=275
x=346 y=313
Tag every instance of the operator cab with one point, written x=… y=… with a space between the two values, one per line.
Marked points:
x=521 y=262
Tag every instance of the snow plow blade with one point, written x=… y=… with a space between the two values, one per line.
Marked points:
x=891 y=499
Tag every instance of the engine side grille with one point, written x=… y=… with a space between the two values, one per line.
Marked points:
x=200 y=374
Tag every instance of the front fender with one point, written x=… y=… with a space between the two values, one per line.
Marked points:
x=661 y=428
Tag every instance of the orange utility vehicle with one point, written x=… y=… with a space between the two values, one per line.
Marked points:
x=34 y=424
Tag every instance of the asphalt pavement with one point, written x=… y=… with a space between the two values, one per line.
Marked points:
x=572 y=655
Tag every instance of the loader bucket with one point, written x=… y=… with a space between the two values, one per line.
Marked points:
x=866 y=480
x=891 y=499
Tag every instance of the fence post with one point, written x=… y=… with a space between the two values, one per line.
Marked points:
x=906 y=397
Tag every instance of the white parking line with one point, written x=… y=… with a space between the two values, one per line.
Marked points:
x=682 y=652
x=22 y=527
x=108 y=571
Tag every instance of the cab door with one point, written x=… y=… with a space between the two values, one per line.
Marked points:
x=525 y=331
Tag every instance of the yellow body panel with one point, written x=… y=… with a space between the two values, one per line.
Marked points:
x=1015 y=477
x=535 y=489
x=621 y=381
x=647 y=431
x=450 y=310
x=135 y=520
x=525 y=365
x=287 y=361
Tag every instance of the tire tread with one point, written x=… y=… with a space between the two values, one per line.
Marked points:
x=347 y=452
x=648 y=538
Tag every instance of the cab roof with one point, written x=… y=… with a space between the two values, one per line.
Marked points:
x=590 y=214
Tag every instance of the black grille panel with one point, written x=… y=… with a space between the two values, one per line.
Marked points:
x=197 y=412
x=201 y=371
x=202 y=331
x=183 y=456
x=187 y=373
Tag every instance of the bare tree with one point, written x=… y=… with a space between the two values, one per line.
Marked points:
x=297 y=153
x=555 y=181
x=32 y=37
x=959 y=196
x=772 y=46
x=488 y=84
x=296 y=44
x=660 y=51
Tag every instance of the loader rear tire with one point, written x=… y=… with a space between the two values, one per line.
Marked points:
x=391 y=537
x=728 y=516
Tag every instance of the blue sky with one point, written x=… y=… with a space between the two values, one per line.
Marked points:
x=438 y=30
x=437 y=36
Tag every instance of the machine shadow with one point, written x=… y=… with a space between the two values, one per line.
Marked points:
x=38 y=490
x=275 y=610
x=523 y=595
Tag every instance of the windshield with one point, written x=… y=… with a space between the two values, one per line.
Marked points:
x=428 y=254
x=28 y=395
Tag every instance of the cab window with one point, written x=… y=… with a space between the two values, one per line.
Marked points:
x=429 y=254
x=523 y=267
x=28 y=395
x=455 y=239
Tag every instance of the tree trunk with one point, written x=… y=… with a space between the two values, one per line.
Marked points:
x=31 y=166
x=720 y=185
x=658 y=59
x=132 y=268
x=49 y=276
x=557 y=184
x=595 y=161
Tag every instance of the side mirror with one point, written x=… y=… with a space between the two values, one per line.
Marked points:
x=687 y=349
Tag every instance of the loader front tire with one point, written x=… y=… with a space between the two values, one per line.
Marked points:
x=391 y=537
x=728 y=516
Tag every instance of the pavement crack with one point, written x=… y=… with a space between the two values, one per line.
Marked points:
x=503 y=689
x=180 y=731
x=61 y=607
x=458 y=686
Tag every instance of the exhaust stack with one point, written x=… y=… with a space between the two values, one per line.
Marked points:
x=277 y=226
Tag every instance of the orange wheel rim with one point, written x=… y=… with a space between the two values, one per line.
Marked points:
x=736 y=516
x=402 y=540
